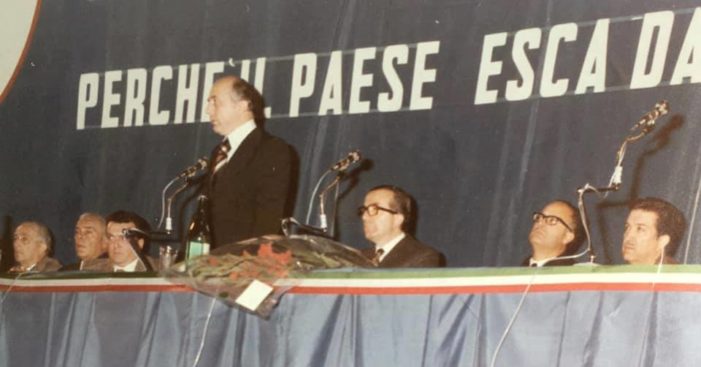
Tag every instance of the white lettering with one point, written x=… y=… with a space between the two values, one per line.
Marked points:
x=303 y=76
x=387 y=101
x=155 y=116
x=187 y=93
x=661 y=22
x=691 y=49
x=110 y=98
x=360 y=80
x=488 y=68
x=135 y=96
x=524 y=38
x=566 y=32
x=332 y=95
x=87 y=96
x=422 y=75
x=593 y=73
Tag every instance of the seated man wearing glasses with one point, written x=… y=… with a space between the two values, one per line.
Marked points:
x=554 y=234
x=386 y=215
x=122 y=228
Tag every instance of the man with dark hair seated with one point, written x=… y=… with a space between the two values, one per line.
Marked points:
x=554 y=234
x=123 y=227
x=653 y=231
x=33 y=244
x=387 y=216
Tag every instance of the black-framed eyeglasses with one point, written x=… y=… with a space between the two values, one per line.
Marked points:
x=550 y=220
x=373 y=209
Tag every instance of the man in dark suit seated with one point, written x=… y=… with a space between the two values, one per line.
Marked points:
x=90 y=240
x=653 y=231
x=121 y=255
x=555 y=233
x=386 y=215
x=250 y=170
x=32 y=244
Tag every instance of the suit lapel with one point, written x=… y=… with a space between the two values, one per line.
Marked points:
x=243 y=155
x=398 y=253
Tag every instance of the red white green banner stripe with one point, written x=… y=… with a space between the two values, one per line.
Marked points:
x=429 y=281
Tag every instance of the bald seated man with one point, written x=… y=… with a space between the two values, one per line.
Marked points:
x=32 y=245
x=90 y=240
x=554 y=234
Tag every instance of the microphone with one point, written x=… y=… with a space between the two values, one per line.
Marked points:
x=344 y=163
x=198 y=166
x=647 y=122
x=134 y=232
x=131 y=234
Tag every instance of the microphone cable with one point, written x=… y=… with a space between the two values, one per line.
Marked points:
x=204 y=332
x=653 y=284
x=513 y=317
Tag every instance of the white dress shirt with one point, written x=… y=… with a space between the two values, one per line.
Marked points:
x=388 y=246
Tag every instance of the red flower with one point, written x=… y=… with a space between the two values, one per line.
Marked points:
x=266 y=252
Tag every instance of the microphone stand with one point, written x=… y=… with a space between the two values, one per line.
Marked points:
x=130 y=235
x=614 y=185
x=166 y=204
x=322 y=200
x=163 y=204
x=340 y=167
x=287 y=223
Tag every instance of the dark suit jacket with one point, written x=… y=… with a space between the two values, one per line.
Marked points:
x=104 y=265
x=76 y=266
x=248 y=195
x=46 y=264
x=409 y=253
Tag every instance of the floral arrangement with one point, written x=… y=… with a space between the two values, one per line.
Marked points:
x=229 y=270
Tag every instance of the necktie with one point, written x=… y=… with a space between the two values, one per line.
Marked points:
x=220 y=154
x=378 y=254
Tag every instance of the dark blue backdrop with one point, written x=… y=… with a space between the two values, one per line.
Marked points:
x=477 y=171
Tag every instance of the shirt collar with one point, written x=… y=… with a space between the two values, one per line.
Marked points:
x=237 y=136
x=388 y=246
x=539 y=263
x=131 y=267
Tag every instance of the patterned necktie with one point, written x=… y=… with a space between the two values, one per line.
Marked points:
x=220 y=155
x=378 y=254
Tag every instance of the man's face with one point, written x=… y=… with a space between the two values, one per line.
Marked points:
x=226 y=110
x=119 y=249
x=641 y=241
x=28 y=245
x=90 y=239
x=552 y=237
x=383 y=226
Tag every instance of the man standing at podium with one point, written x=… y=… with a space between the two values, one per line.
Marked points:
x=386 y=215
x=250 y=171
x=653 y=231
